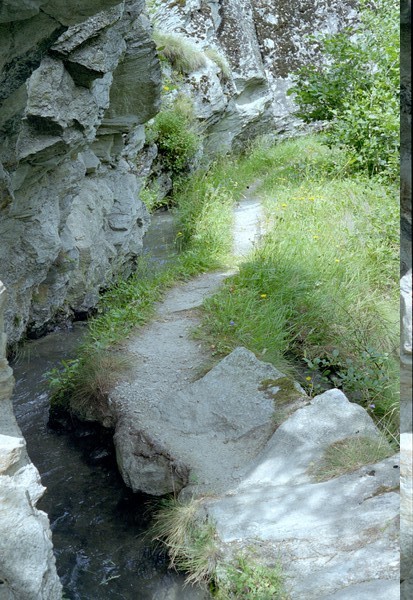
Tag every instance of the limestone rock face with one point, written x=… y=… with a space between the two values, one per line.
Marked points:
x=27 y=564
x=77 y=84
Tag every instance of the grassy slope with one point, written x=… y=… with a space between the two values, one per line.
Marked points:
x=324 y=283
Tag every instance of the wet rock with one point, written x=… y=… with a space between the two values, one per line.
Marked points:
x=27 y=564
x=145 y=465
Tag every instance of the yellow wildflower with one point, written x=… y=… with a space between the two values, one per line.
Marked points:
x=263 y=295
x=308 y=378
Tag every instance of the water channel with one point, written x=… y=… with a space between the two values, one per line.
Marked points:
x=98 y=525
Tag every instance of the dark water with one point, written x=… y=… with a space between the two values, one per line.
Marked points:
x=99 y=527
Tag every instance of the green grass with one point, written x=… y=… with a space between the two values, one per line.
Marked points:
x=189 y=538
x=246 y=579
x=77 y=385
x=348 y=455
x=324 y=282
x=220 y=61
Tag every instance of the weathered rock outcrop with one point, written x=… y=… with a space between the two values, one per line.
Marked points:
x=250 y=444
x=77 y=86
x=27 y=564
x=209 y=432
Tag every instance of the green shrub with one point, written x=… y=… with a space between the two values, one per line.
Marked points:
x=356 y=88
x=181 y=55
x=174 y=133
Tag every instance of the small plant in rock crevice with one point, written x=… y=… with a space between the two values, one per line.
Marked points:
x=220 y=61
x=85 y=383
x=179 y=52
x=189 y=538
x=191 y=541
x=246 y=579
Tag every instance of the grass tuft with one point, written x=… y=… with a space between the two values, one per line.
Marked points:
x=348 y=455
x=189 y=537
x=220 y=61
x=182 y=56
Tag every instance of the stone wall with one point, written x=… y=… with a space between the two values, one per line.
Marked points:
x=27 y=564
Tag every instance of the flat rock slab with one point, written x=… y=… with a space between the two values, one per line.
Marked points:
x=334 y=538
x=206 y=434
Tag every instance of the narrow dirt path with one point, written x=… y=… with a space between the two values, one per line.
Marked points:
x=167 y=358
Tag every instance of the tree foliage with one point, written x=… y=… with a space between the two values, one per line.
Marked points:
x=355 y=88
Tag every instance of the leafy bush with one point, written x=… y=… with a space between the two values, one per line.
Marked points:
x=174 y=133
x=356 y=88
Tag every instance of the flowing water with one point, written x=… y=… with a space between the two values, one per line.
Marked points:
x=98 y=525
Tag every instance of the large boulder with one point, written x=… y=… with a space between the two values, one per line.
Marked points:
x=27 y=563
x=202 y=436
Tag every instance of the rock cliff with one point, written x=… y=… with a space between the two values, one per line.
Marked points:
x=27 y=564
x=78 y=83
x=77 y=86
